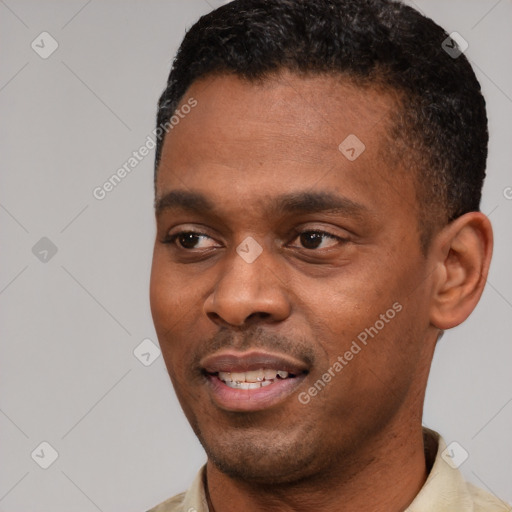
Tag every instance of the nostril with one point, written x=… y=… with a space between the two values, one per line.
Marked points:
x=259 y=316
x=251 y=319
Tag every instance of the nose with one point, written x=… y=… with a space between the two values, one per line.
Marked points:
x=248 y=293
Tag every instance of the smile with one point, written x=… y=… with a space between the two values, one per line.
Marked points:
x=253 y=379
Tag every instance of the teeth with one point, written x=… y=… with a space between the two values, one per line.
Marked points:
x=253 y=379
x=225 y=376
x=254 y=376
x=248 y=385
x=238 y=377
x=270 y=374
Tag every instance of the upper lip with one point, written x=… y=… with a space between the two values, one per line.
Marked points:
x=231 y=361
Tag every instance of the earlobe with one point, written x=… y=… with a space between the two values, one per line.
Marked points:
x=463 y=252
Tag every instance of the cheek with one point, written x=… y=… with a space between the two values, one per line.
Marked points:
x=168 y=296
x=342 y=307
x=176 y=307
x=372 y=381
x=373 y=323
x=383 y=353
x=167 y=301
x=157 y=285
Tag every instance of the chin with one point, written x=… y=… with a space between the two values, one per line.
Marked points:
x=271 y=458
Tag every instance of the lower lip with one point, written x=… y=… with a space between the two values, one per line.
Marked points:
x=232 y=399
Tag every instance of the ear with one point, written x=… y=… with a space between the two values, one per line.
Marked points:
x=462 y=254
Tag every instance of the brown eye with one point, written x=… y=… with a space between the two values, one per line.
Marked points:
x=187 y=240
x=314 y=239
x=311 y=240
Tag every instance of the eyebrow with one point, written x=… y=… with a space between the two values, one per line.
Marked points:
x=289 y=203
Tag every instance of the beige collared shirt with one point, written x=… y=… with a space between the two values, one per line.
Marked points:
x=445 y=490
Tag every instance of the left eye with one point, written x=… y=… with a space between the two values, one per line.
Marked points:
x=318 y=239
x=186 y=239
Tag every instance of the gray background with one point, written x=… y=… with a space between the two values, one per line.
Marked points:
x=70 y=324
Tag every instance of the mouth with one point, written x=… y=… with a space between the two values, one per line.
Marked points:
x=251 y=381
x=255 y=379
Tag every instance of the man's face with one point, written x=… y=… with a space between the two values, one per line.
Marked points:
x=272 y=283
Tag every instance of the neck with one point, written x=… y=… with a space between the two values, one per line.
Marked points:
x=390 y=473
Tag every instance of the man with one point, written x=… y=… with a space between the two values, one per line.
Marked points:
x=317 y=188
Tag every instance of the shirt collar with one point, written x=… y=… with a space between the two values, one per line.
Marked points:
x=444 y=490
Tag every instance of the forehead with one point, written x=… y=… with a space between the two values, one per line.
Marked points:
x=321 y=108
x=285 y=133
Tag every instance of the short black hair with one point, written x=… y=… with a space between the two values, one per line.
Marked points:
x=441 y=126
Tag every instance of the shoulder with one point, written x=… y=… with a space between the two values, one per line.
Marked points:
x=194 y=500
x=173 y=504
x=446 y=489
x=485 y=502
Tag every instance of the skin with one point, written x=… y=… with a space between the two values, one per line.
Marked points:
x=358 y=442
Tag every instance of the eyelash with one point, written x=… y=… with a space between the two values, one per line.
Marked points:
x=171 y=239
